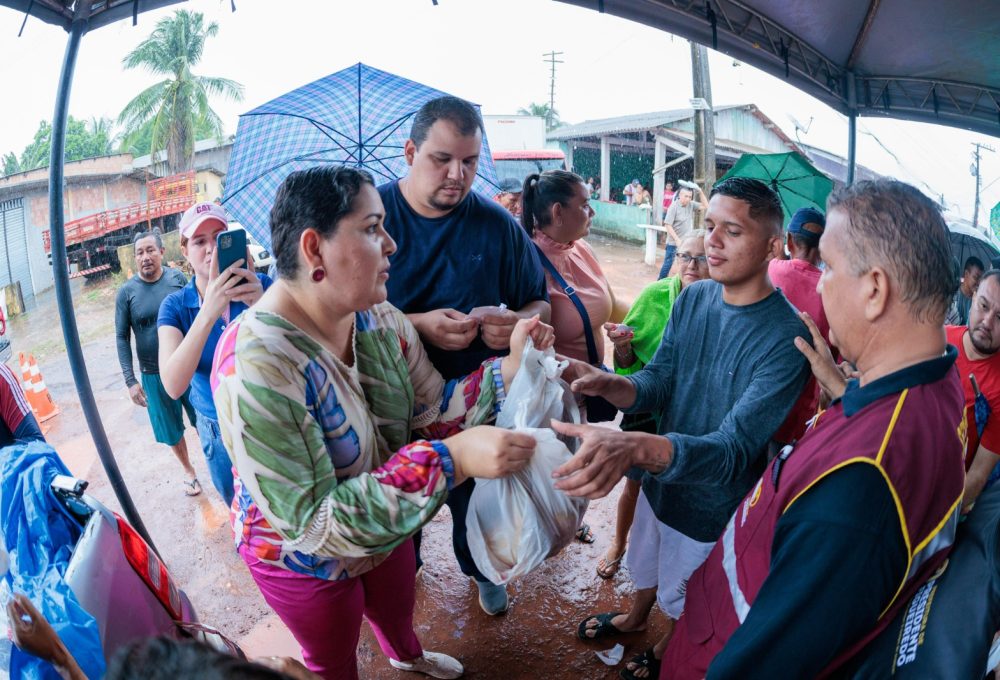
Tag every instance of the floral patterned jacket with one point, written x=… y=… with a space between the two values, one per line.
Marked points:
x=329 y=477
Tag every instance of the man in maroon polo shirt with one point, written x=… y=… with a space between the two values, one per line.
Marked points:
x=844 y=527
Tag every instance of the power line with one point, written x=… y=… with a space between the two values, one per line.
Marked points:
x=551 y=59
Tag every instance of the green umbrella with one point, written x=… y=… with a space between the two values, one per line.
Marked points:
x=797 y=182
x=995 y=220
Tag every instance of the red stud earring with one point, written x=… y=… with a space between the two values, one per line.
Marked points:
x=318 y=274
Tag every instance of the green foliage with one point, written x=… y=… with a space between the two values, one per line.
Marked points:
x=141 y=143
x=550 y=115
x=83 y=140
x=175 y=111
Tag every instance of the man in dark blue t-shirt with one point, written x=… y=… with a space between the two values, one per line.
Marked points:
x=455 y=251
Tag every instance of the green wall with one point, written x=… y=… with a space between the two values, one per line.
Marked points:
x=619 y=221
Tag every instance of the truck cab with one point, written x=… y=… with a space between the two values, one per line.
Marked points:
x=521 y=163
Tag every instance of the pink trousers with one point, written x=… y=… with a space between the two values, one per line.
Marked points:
x=325 y=616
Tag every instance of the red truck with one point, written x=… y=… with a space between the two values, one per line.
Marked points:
x=92 y=242
x=519 y=164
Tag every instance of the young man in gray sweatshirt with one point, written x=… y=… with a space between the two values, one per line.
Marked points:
x=723 y=380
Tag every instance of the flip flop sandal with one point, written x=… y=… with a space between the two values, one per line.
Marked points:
x=584 y=534
x=604 y=627
x=607 y=569
x=193 y=487
x=645 y=660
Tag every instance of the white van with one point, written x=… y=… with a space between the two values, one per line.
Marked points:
x=262 y=258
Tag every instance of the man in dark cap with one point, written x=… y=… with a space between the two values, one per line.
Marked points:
x=510 y=196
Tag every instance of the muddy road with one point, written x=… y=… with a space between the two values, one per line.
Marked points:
x=534 y=639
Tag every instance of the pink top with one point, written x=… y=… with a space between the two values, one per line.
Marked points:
x=797 y=279
x=577 y=264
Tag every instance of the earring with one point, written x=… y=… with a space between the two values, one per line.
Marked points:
x=318 y=274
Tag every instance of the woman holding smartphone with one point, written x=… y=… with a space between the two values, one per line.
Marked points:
x=192 y=320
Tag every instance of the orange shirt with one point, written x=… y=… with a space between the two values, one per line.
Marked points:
x=576 y=263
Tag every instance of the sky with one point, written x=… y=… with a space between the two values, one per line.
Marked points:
x=487 y=51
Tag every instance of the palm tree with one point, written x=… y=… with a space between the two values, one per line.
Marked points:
x=177 y=106
x=550 y=115
x=102 y=133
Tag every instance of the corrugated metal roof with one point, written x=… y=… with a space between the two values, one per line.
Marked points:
x=625 y=124
x=834 y=166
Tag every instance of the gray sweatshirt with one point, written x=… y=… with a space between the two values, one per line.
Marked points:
x=724 y=378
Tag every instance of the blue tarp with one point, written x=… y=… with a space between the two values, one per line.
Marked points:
x=39 y=535
x=360 y=116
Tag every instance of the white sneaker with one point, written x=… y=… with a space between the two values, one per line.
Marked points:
x=433 y=664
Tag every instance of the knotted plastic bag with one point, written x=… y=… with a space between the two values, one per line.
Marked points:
x=515 y=523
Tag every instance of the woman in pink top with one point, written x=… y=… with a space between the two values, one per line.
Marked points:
x=797 y=278
x=556 y=213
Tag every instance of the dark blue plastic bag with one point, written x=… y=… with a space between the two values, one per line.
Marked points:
x=39 y=535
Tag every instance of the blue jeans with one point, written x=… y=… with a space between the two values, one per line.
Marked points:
x=219 y=465
x=668 y=261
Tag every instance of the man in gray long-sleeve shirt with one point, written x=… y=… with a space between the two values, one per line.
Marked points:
x=724 y=378
x=136 y=309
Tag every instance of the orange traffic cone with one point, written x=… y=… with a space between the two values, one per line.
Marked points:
x=35 y=390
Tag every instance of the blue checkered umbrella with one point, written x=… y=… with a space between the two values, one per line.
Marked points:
x=360 y=116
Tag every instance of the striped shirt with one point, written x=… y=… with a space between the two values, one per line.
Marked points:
x=18 y=422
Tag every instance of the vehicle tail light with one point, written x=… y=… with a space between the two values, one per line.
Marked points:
x=150 y=569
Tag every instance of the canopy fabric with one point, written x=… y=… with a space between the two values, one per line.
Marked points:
x=62 y=12
x=919 y=60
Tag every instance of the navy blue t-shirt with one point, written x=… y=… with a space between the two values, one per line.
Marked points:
x=475 y=255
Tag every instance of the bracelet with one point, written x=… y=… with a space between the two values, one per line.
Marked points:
x=623 y=355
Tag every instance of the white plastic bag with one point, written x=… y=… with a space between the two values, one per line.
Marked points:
x=514 y=523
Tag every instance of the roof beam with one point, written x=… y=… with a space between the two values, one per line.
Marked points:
x=862 y=37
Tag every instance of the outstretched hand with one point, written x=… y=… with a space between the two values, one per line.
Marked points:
x=829 y=376
x=602 y=460
x=593 y=382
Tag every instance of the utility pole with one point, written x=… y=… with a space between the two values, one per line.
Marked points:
x=704 y=121
x=551 y=59
x=976 y=155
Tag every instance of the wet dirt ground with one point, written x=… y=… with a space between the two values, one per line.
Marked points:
x=534 y=639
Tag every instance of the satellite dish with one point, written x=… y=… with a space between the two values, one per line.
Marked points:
x=799 y=126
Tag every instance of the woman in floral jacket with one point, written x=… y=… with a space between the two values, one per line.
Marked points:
x=344 y=438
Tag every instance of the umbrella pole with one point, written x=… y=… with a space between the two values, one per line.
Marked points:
x=60 y=272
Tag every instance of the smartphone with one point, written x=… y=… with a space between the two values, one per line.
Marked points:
x=231 y=246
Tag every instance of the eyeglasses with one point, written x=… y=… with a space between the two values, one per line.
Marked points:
x=685 y=259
